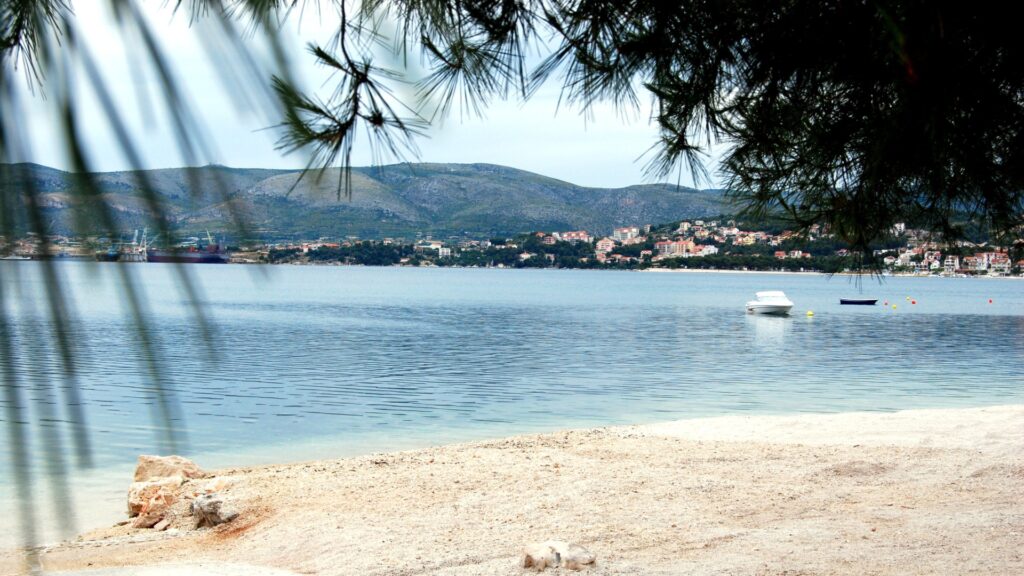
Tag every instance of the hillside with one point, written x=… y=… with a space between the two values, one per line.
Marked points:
x=474 y=200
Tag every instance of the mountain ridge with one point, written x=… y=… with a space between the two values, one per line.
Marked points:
x=398 y=200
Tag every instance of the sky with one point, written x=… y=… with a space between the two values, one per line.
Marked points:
x=607 y=148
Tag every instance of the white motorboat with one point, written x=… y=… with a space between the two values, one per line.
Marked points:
x=770 y=302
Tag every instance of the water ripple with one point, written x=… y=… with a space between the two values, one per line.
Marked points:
x=484 y=352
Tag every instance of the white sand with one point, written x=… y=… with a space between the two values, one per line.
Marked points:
x=915 y=492
x=997 y=430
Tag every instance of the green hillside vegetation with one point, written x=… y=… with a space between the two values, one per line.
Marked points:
x=443 y=200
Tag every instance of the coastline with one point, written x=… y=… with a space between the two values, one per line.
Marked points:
x=815 y=273
x=848 y=493
x=716 y=271
x=649 y=270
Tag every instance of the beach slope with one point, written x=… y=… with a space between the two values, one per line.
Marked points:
x=913 y=492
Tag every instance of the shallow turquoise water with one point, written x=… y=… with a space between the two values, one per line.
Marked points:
x=326 y=361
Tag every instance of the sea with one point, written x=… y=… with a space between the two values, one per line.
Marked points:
x=239 y=365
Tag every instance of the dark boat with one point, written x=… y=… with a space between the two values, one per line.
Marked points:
x=209 y=254
x=195 y=253
x=112 y=254
x=858 y=301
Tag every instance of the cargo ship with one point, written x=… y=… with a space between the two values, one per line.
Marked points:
x=211 y=253
x=123 y=252
x=112 y=254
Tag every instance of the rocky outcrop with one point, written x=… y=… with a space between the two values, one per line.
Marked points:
x=160 y=484
x=150 y=519
x=158 y=467
x=211 y=510
x=556 y=554
x=152 y=496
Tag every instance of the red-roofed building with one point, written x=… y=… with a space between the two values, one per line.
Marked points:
x=575 y=236
x=605 y=245
x=1000 y=264
x=676 y=248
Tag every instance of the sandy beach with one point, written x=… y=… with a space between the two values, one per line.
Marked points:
x=913 y=492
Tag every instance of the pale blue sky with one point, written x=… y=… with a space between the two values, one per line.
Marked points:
x=602 y=150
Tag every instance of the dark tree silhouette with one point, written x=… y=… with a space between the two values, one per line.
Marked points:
x=855 y=115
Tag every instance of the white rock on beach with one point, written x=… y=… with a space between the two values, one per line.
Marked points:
x=149 y=519
x=157 y=487
x=216 y=484
x=555 y=554
x=156 y=467
x=152 y=496
x=211 y=510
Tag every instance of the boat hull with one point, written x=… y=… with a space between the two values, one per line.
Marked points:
x=187 y=257
x=857 y=301
x=769 y=309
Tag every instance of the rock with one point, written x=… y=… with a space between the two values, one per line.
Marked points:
x=156 y=467
x=539 y=557
x=162 y=525
x=157 y=486
x=555 y=554
x=147 y=520
x=209 y=486
x=211 y=510
x=576 y=557
x=152 y=496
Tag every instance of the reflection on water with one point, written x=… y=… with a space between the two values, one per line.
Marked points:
x=769 y=330
x=380 y=358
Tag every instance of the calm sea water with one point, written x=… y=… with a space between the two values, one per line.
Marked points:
x=310 y=362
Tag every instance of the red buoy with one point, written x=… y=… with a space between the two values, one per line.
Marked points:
x=913 y=301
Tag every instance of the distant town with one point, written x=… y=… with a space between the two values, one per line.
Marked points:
x=718 y=244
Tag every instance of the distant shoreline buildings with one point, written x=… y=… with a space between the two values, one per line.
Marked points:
x=708 y=244
x=699 y=244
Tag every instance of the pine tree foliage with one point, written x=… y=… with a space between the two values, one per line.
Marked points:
x=850 y=114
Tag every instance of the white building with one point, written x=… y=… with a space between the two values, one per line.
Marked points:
x=1000 y=265
x=951 y=264
x=623 y=234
